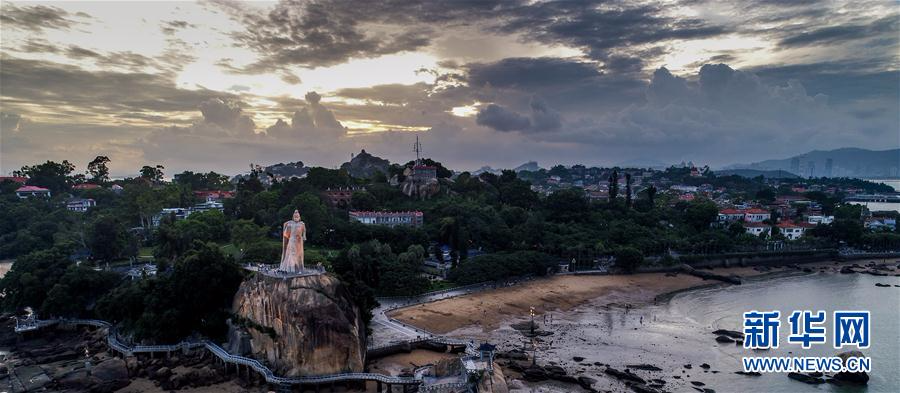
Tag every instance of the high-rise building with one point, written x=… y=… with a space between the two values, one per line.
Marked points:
x=811 y=168
x=829 y=167
x=795 y=165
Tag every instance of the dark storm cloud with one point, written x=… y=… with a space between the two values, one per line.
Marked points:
x=58 y=85
x=502 y=119
x=842 y=81
x=843 y=33
x=530 y=73
x=543 y=118
x=315 y=33
x=603 y=30
x=37 y=18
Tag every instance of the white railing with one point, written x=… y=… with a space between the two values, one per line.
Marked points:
x=116 y=344
x=270 y=271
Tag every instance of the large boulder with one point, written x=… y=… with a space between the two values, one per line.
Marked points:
x=301 y=325
x=860 y=378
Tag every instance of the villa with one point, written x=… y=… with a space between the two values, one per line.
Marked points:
x=80 y=205
x=32 y=191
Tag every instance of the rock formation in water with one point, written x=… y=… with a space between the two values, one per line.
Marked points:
x=299 y=326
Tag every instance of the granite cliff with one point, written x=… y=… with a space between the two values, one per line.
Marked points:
x=299 y=326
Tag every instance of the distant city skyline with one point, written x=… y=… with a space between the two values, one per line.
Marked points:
x=216 y=85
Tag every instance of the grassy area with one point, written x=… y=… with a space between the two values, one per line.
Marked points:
x=440 y=285
x=145 y=252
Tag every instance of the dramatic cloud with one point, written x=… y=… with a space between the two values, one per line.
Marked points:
x=92 y=93
x=543 y=118
x=217 y=85
x=502 y=119
x=37 y=18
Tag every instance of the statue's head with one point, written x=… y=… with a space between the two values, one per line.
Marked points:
x=296 y=215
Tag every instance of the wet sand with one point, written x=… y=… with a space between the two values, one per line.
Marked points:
x=488 y=310
x=588 y=318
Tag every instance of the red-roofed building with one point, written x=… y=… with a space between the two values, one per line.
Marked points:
x=756 y=215
x=730 y=215
x=793 y=231
x=411 y=218
x=748 y=215
x=85 y=186
x=214 y=195
x=14 y=179
x=339 y=197
x=32 y=191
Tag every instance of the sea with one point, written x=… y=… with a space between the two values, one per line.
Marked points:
x=722 y=308
x=883 y=206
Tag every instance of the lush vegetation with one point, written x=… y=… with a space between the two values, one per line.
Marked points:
x=516 y=231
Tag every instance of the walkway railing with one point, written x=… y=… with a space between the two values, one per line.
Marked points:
x=126 y=349
x=269 y=270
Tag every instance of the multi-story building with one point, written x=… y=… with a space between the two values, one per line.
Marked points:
x=80 y=205
x=756 y=215
x=792 y=231
x=410 y=218
x=339 y=197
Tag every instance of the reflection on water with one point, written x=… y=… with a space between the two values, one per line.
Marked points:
x=722 y=309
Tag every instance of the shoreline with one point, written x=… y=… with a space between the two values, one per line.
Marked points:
x=490 y=310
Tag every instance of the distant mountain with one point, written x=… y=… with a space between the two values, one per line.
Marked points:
x=845 y=162
x=750 y=173
x=642 y=163
x=365 y=165
x=530 y=166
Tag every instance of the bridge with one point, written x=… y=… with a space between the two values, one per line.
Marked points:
x=117 y=345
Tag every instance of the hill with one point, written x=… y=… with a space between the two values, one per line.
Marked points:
x=365 y=165
x=844 y=162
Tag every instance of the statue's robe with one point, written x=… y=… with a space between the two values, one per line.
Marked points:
x=294 y=233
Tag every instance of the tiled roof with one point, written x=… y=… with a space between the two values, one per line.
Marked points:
x=31 y=189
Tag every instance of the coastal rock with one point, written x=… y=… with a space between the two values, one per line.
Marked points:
x=624 y=375
x=730 y=333
x=586 y=382
x=750 y=373
x=709 y=276
x=878 y=284
x=805 y=378
x=724 y=339
x=704 y=365
x=645 y=367
x=302 y=325
x=860 y=378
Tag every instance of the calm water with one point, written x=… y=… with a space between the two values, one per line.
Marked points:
x=879 y=206
x=891 y=182
x=722 y=308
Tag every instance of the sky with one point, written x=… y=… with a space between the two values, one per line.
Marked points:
x=218 y=85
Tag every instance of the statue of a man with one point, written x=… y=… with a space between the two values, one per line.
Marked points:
x=293 y=236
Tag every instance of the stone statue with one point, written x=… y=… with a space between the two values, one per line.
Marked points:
x=293 y=236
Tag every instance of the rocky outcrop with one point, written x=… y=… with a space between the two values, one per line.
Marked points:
x=300 y=326
x=365 y=165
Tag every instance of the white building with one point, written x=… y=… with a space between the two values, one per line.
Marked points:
x=820 y=219
x=756 y=228
x=80 y=205
x=32 y=191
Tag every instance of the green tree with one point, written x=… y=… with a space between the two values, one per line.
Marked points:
x=53 y=175
x=109 y=239
x=98 y=170
x=152 y=174
x=700 y=214
x=629 y=259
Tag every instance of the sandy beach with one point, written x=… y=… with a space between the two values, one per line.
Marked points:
x=592 y=327
x=489 y=309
